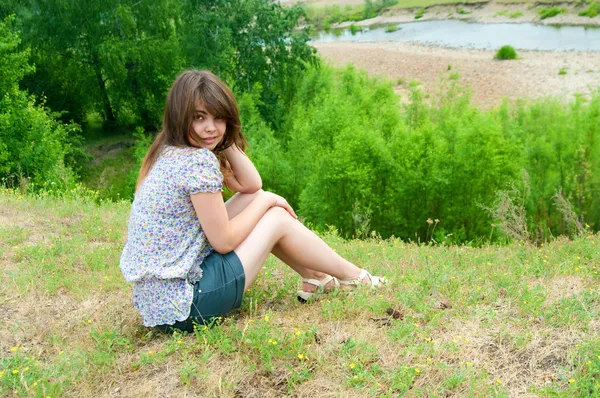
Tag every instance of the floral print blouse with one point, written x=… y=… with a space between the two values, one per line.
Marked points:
x=165 y=243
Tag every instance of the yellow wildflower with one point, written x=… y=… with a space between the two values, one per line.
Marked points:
x=15 y=371
x=13 y=349
x=26 y=369
x=498 y=381
x=150 y=352
x=571 y=380
x=1 y=373
x=267 y=318
x=300 y=356
x=179 y=341
x=274 y=342
x=469 y=363
x=352 y=365
x=417 y=371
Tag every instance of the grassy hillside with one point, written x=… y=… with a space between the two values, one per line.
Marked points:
x=455 y=321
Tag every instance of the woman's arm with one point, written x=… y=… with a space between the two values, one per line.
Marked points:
x=245 y=177
x=224 y=234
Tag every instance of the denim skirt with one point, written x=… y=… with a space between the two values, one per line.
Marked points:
x=217 y=293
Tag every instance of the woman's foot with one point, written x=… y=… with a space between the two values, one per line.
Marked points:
x=363 y=279
x=313 y=287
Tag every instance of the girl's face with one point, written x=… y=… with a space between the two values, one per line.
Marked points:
x=207 y=130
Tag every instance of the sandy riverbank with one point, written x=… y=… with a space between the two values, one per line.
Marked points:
x=491 y=12
x=535 y=75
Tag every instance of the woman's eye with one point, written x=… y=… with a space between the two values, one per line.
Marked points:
x=198 y=117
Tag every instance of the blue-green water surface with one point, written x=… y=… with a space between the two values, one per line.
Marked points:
x=460 y=34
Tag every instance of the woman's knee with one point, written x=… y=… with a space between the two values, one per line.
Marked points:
x=278 y=216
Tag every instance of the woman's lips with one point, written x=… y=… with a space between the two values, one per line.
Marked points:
x=210 y=140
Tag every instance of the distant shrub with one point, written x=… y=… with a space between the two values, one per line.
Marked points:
x=562 y=71
x=391 y=28
x=515 y=15
x=592 y=11
x=355 y=29
x=550 y=12
x=506 y=53
x=420 y=13
x=462 y=11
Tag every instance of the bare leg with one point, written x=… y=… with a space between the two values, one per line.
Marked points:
x=236 y=204
x=296 y=243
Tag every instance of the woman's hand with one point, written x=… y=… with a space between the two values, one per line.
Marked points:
x=279 y=201
x=246 y=178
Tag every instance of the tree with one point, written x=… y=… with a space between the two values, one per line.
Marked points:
x=114 y=57
x=247 y=42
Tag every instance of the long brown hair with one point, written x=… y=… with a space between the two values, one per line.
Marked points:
x=189 y=87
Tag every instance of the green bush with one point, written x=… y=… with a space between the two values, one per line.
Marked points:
x=345 y=156
x=391 y=28
x=591 y=11
x=550 y=12
x=35 y=148
x=354 y=29
x=506 y=53
x=420 y=13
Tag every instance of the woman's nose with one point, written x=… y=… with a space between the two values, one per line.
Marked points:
x=210 y=124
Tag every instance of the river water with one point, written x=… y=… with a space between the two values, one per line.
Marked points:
x=460 y=34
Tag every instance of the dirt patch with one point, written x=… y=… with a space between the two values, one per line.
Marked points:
x=518 y=358
x=535 y=75
x=560 y=287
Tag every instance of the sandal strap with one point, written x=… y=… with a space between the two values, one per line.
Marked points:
x=320 y=284
x=374 y=281
x=358 y=280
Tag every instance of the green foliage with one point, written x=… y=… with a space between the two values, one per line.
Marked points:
x=515 y=15
x=119 y=58
x=462 y=11
x=354 y=29
x=506 y=53
x=34 y=146
x=350 y=159
x=549 y=12
x=591 y=11
x=391 y=28
x=251 y=42
x=105 y=56
x=420 y=13
x=324 y=17
x=562 y=71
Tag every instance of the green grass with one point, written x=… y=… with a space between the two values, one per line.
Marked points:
x=562 y=71
x=420 y=13
x=549 y=12
x=591 y=11
x=506 y=53
x=391 y=28
x=455 y=320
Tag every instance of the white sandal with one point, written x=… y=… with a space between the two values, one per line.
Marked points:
x=375 y=281
x=303 y=296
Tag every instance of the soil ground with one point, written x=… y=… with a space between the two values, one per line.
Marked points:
x=534 y=75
